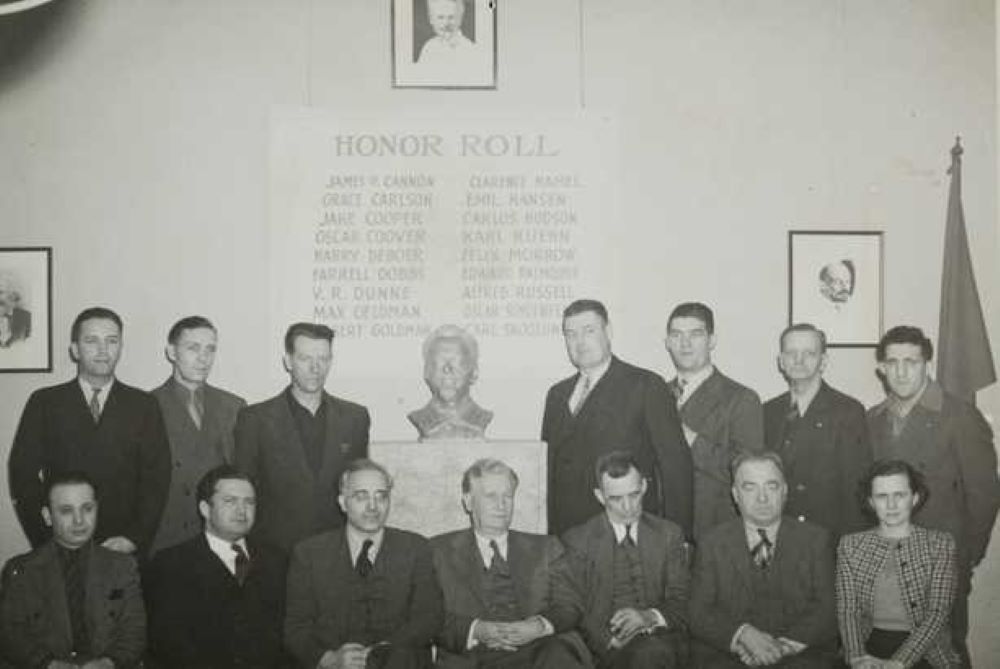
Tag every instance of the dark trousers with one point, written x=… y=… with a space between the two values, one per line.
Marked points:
x=660 y=650
x=398 y=657
x=883 y=643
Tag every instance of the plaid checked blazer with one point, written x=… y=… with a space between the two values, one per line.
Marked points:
x=926 y=568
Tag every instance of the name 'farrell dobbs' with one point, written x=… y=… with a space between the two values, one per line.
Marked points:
x=428 y=145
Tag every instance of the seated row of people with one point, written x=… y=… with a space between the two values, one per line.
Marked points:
x=616 y=592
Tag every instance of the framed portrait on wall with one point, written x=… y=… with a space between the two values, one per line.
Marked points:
x=26 y=309
x=835 y=283
x=444 y=44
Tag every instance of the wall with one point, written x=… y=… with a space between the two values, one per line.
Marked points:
x=133 y=140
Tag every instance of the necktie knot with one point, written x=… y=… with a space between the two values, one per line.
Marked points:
x=242 y=563
x=497 y=562
x=364 y=564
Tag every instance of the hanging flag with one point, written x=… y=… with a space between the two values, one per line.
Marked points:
x=965 y=361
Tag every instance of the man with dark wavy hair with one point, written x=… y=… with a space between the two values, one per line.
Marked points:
x=950 y=442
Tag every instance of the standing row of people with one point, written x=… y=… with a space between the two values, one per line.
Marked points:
x=683 y=434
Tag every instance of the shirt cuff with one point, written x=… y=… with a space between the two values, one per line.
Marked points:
x=736 y=637
x=660 y=620
x=689 y=434
x=546 y=626
x=470 y=640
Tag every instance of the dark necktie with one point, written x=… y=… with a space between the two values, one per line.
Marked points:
x=196 y=407
x=763 y=551
x=364 y=564
x=497 y=563
x=628 y=540
x=76 y=597
x=242 y=564
x=95 y=405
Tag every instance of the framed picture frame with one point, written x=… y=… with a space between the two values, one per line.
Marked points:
x=835 y=282
x=450 y=44
x=26 y=309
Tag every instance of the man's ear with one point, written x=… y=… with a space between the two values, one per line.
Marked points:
x=47 y=516
x=467 y=502
x=340 y=503
x=204 y=509
x=286 y=361
x=599 y=494
x=171 y=352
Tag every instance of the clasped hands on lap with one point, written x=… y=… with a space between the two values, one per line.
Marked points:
x=510 y=635
x=757 y=648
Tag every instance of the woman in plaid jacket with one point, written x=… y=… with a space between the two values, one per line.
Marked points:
x=896 y=582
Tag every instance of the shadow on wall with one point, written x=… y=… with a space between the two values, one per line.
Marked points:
x=28 y=38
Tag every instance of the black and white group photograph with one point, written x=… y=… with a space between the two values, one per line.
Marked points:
x=498 y=334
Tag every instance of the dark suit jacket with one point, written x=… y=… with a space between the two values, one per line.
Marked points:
x=664 y=568
x=543 y=583
x=951 y=443
x=126 y=454
x=801 y=578
x=193 y=452
x=20 y=326
x=293 y=501
x=727 y=418
x=319 y=611
x=35 y=618
x=200 y=617
x=825 y=457
x=629 y=409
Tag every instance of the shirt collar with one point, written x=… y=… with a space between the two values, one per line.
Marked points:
x=485 y=552
x=596 y=373
x=619 y=530
x=802 y=402
x=356 y=539
x=182 y=391
x=690 y=383
x=753 y=536
x=224 y=549
x=930 y=398
x=102 y=393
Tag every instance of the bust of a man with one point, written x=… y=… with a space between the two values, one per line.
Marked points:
x=451 y=365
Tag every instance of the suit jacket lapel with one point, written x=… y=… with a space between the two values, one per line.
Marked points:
x=55 y=593
x=603 y=558
x=739 y=555
x=97 y=582
x=334 y=440
x=521 y=572
x=592 y=402
x=704 y=400
x=652 y=553
x=468 y=563
x=288 y=435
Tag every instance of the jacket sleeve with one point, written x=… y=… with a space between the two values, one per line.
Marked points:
x=564 y=606
x=676 y=468
x=677 y=584
x=21 y=640
x=854 y=449
x=128 y=642
x=426 y=606
x=978 y=463
x=595 y=631
x=154 y=476
x=940 y=594
x=711 y=620
x=167 y=597
x=301 y=611
x=746 y=431
x=849 y=609
x=455 y=628
x=818 y=624
x=247 y=438
x=24 y=467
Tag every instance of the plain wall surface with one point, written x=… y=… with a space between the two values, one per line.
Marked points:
x=134 y=141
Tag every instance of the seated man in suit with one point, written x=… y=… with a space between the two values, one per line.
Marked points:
x=509 y=597
x=199 y=419
x=97 y=425
x=762 y=592
x=71 y=603
x=295 y=445
x=720 y=416
x=363 y=595
x=216 y=601
x=632 y=569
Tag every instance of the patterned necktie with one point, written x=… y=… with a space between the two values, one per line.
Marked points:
x=581 y=397
x=95 y=405
x=364 y=564
x=196 y=407
x=628 y=540
x=763 y=551
x=497 y=563
x=242 y=564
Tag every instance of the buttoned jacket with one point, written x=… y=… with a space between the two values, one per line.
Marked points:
x=926 y=570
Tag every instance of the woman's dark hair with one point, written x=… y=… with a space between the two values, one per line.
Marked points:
x=918 y=484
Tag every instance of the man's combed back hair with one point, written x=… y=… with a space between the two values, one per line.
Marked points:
x=188 y=323
x=615 y=464
x=102 y=313
x=694 y=310
x=803 y=327
x=744 y=457
x=310 y=330
x=362 y=465
x=583 y=306
x=485 y=466
x=67 y=477
x=905 y=334
x=206 y=486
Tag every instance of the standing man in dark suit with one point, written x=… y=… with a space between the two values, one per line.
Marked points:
x=633 y=571
x=71 y=604
x=720 y=416
x=363 y=595
x=216 y=601
x=98 y=425
x=763 y=587
x=947 y=440
x=610 y=405
x=296 y=445
x=200 y=419
x=509 y=597
x=821 y=435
